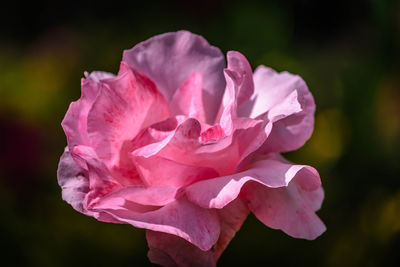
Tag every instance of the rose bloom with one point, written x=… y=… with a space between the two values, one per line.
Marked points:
x=185 y=146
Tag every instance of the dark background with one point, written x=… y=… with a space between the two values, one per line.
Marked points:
x=347 y=52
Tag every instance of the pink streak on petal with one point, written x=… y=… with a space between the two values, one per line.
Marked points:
x=125 y=106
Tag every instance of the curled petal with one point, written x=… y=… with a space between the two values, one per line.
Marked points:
x=75 y=120
x=75 y=184
x=272 y=173
x=281 y=195
x=290 y=209
x=241 y=70
x=239 y=88
x=73 y=180
x=284 y=99
x=181 y=218
x=97 y=76
x=169 y=59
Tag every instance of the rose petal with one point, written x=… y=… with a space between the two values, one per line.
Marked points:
x=239 y=88
x=158 y=171
x=187 y=100
x=290 y=209
x=170 y=250
x=100 y=180
x=74 y=181
x=286 y=95
x=75 y=120
x=231 y=217
x=97 y=76
x=186 y=146
x=272 y=173
x=150 y=196
x=125 y=106
x=169 y=59
x=240 y=67
x=156 y=137
x=182 y=218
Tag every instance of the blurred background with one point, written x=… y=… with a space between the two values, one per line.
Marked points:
x=347 y=51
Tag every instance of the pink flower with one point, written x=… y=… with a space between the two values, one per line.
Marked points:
x=184 y=146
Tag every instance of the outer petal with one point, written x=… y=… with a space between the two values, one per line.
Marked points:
x=231 y=217
x=125 y=106
x=97 y=76
x=290 y=209
x=271 y=173
x=181 y=218
x=74 y=181
x=170 y=250
x=285 y=99
x=75 y=120
x=169 y=59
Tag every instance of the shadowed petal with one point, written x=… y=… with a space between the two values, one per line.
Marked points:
x=290 y=209
x=231 y=217
x=180 y=217
x=170 y=250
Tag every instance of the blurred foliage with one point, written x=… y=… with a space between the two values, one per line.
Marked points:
x=346 y=51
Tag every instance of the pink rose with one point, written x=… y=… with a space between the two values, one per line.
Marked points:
x=184 y=146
